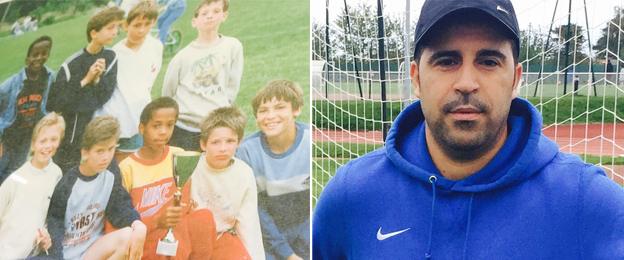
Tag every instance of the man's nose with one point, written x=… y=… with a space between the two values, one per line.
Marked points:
x=467 y=79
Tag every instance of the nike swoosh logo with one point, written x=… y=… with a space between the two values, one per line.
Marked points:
x=381 y=236
x=498 y=8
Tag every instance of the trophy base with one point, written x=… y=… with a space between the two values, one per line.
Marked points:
x=167 y=248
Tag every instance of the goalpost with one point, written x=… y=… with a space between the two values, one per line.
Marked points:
x=360 y=82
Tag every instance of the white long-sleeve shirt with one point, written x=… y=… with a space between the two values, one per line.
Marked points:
x=136 y=72
x=204 y=77
x=24 y=200
x=231 y=195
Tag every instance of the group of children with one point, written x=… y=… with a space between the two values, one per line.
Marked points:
x=111 y=195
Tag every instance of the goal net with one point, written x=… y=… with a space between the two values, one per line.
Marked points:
x=360 y=78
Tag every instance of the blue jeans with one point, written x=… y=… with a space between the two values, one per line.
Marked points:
x=298 y=238
x=187 y=140
x=166 y=19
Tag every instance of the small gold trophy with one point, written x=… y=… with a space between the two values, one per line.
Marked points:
x=184 y=164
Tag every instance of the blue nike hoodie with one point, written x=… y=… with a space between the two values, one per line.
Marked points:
x=529 y=202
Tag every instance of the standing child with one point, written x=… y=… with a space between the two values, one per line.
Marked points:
x=90 y=194
x=280 y=157
x=227 y=187
x=22 y=103
x=85 y=83
x=25 y=195
x=205 y=75
x=139 y=58
x=148 y=176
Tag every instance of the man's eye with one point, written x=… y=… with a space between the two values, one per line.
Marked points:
x=446 y=62
x=489 y=62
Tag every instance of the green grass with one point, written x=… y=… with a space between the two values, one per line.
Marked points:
x=605 y=160
x=275 y=46
x=323 y=169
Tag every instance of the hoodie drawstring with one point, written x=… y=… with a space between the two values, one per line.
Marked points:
x=432 y=180
x=468 y=225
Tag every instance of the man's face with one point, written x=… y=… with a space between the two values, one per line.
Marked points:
x=466 y=81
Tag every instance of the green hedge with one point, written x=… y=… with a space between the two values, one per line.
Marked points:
x=366 y=115
x=351 y=115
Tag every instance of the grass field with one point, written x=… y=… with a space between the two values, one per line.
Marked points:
x=275 y=46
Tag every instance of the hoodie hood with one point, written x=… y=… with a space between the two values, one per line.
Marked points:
x=524 y=153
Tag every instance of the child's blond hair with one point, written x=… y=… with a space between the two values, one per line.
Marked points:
x=102 y=18
x=49 y=120
x=281 y=89
x=226 y=5
x=100 y=129
x=230 y=117
x=146 y=9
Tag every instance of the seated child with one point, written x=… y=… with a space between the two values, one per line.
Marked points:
x=22 y=103
x=25 y=195
x=226 y=186
x=90 y=194
x=148 y=176
x=279 y=155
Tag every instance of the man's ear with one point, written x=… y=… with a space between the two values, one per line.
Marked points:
x=415 y=78
x=517 y=80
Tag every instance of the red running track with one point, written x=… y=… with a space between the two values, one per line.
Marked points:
x=594 y=139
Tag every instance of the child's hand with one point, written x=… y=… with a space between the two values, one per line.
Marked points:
x=137 y=239
x=172 y=216
x=44 y=242
x=96 y=69
x=294 y=257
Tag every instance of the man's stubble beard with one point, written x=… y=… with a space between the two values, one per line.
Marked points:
x=474 y=148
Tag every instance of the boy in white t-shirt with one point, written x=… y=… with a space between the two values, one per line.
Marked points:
x=139 y=61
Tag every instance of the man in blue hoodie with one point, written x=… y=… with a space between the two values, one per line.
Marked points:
x=466 y=172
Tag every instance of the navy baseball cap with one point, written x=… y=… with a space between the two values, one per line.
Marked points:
x=435 y=10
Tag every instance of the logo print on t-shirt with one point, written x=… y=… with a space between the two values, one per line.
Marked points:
x=205 y=76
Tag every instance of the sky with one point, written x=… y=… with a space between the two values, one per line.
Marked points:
x=536 y=13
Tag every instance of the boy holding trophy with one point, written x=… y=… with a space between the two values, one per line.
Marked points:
x=149 y=178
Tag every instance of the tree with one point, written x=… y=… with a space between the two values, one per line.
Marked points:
x=615 y=36
x=532 y=46
x=354 y=36
x=576 y=48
